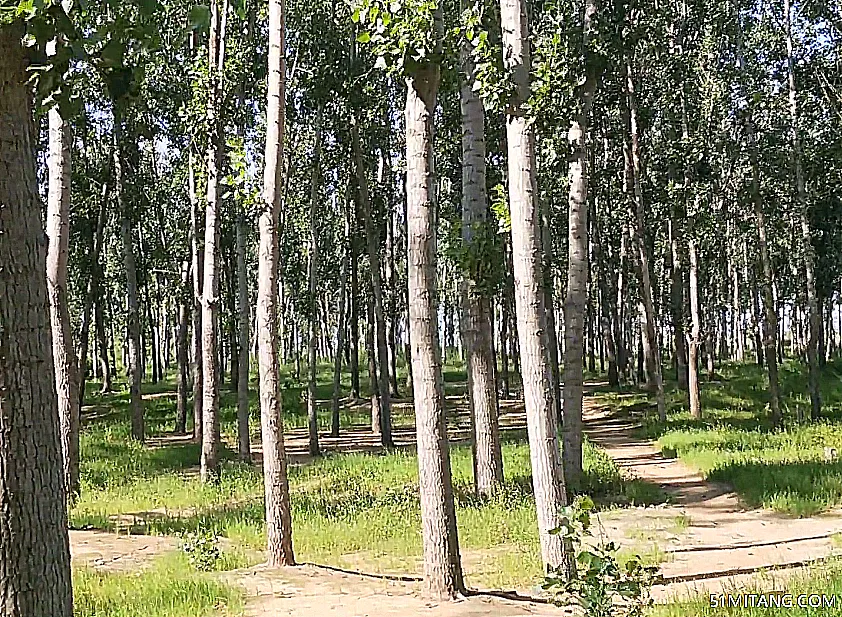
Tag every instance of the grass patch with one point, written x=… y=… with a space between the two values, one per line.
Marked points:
x=168 y=589
x=825 y=579
x=351 y=510
x=782 y=468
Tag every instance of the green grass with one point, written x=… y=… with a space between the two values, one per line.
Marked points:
x=167 y=589
x=350 y=510
x=825 y=579
x=778 y=468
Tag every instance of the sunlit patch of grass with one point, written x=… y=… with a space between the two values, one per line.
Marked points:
x=167 y=589
x=823 y=579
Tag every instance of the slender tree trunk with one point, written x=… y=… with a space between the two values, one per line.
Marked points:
x=197 y=267
x=182 y=341
x=278 y=512
x=102 y=344
x=374 y=385
x=577 y=271
x=373 y=242
x=695 y=336
x=34 y=551
x=64 y=356
x=211 y=377
x=547 y=472
x=341 y=326
x=355 y=319
x=243 y=431
x=132 y=343
x=770 y=321
x=650 y=342
x=476 y=306
x=807 y=249
x=442 y=565
x=312 y=410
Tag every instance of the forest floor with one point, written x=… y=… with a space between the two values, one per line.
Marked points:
x=355 y=510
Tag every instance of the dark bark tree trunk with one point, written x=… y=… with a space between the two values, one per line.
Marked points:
x=34 y=549
x=276 y=484
x=374 y=384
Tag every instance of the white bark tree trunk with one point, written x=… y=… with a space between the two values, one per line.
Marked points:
x=276 y=484
x=442 y=566
x=547 y=473
x=64 y=356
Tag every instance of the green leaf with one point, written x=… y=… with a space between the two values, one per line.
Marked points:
x=363 y=37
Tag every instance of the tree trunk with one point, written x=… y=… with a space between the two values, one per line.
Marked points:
x=476 y=306
x=182 y=340
x=651 y=349
x=442 y=565
x=354 y=335
x=312 y=411
x=374 y=385
x=576 y=301
x=34 y=551
x=210 y=287
x=770 y=321
x=695 y=336
x=132 y=346
x=341 y=326
x=197 y=266
x=373 y=243
x=102 y=343
x=807 y=249
x=243 y=431
x=547 y=473
x=64 y=356
x=278 y=513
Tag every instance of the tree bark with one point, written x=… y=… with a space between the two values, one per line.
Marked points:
x=197 y=269
x=547 y=473
x=374 y=384
x=695 y=336
x=64 y=356
x=373 y=243
x=341 y=326
x=133 y=363
x=182 y=353
x=442 y=565
x=243 y=431
x=312 y=410
x=34 y=549
x=276 y=484
x=476 y=306
x=807 y=249
x=355 y=318
x=651 y=349
x=211 y=377
x=577 y=273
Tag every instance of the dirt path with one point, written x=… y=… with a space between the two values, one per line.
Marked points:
x=309 y=591
x=704 y=529
x=108 y=551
